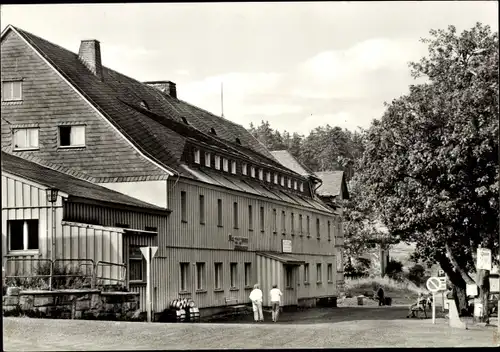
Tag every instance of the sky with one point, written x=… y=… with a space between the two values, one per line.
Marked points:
x=298 y=65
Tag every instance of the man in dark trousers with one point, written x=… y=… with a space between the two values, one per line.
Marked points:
x=381 y=296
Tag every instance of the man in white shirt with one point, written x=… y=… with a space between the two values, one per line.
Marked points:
x=256 y=298
x=275 y=298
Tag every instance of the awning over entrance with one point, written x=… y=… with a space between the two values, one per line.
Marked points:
x=282 y=257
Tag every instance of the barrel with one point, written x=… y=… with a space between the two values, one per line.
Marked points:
x=360 y=300
x=194 y=314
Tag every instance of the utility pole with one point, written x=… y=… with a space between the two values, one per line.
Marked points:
x=222 y=98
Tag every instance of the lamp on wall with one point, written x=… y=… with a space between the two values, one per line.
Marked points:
x=51 y=194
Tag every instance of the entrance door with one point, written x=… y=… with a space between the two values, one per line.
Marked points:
x=290 y=291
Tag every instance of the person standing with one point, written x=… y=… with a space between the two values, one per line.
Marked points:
x=275 y=298
x=256 y=298
x=381 y=296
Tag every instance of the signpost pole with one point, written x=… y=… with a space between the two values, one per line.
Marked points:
x=148 y=284
x=433 y=308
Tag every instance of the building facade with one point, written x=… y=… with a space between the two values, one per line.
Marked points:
x=238 y=216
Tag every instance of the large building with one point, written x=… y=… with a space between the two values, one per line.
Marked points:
x=235 y=215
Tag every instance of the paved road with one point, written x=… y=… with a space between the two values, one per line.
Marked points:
x=363 y=328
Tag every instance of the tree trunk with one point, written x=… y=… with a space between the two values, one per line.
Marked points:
x=460 y=297
x=459 y=285
x=483 y=283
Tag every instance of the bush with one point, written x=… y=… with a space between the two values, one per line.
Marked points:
x=359 y=270
x=416 y=275
x=394 y=270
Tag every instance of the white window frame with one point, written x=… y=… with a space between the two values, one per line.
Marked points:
x=201 y=276
x=8 y=87
x=233 y=167
x=319 y=273
x=329 y=273
x=218 y=276
x=197 y=156
x=248 y=274
x=25 y=236
x=244 y=167
x=207 y=159
x=268 y=176
x=184 y=274
x=72 y=145
x=301 y=187
x=225 y=165
x=233 y=275
x=306 y=273
x=282 y=181
x=289 y=183
x=141 y=259
x=261 y=174
x=276 y=178
x=217 y=162
x=295 y=185
x=252 y=171
x=28 y=138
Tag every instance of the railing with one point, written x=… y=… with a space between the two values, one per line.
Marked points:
x=56 y=272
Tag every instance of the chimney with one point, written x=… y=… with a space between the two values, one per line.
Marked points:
x=166 y=87
x=90 y=55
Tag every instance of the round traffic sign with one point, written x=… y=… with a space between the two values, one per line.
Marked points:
x=433 y=284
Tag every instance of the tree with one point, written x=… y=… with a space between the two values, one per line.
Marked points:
x=416 y=274
x=430 y=166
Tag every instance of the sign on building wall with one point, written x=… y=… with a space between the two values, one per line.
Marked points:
x=483 y=259
x=240 y=243
x=286 y=246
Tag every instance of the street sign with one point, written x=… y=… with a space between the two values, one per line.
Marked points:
x=483 y=259
x=287 y=246
x=436 y=284
x=471 y=290
x=441 y=273
x=148 y=253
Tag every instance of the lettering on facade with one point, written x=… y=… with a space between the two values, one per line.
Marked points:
x=240 y=243
x=286 y=246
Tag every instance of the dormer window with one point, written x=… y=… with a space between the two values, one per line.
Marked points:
x=268 y=176
x=301 y=187
x=261 y=174
x=144 y=105
x=233 y=167
x=217 y=162
x=184 y=120
x=197 y=156
x=289 y=183
x=212 y=131
x=295 y=185
x=225 y=165
x=244 y=168
x=238 y=141
x=207 y=159
x=276 y=178
x=252 y=171
x=282 y=181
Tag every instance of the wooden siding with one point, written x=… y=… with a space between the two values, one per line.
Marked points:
x=209 y=235
x=48 y=101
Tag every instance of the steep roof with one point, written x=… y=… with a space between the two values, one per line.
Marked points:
x=68 y=184
x=333 y=184
x=286 y=159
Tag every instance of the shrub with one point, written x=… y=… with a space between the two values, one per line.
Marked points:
x=416 y=274
x=394 y=270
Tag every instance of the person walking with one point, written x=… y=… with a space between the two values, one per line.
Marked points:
x=275 y=298
x=381 y=296
x=256 y=298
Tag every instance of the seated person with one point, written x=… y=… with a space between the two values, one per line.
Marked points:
x=419 y=305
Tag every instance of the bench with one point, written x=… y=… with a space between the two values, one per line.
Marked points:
x=232 y=304
x=420 y=307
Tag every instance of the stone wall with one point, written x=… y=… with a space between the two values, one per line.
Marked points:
x=72 y=304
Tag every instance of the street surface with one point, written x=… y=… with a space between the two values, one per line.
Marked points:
x=313 y=328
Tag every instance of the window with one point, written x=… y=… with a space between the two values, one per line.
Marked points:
x=248 y=274
x=183 y=207
x=289 y=183
x=23 y=235
x=300 y=224
x=318 y=234
x=184 y=276
x=295 y=185
x=233 y=167
x=276 y=178
x=202 y=209
x=282 y=181
x=234 y=274
x=244 y=169
x=219 y=212
x=212 y=131
x=268 y=176
x=329 y=273
x=238 y=141
x=318 y=273
x=329 y=231
x=184 y=120
x=12 y=91
x=136 y=264
x=197 y=156
x=308 y=226
x=262 y=219
x=292 y=224
x=72 y=136
x=261 y=174
x=225 y=165
x=207 y=159
x=250 y=217
x=218 y=275
x=200 y=276
x=306 y=273
x=25 y=138
x=301 y=187
x=283 y=222
x=275 y=220
x=217 y=162
x=252 y=171
x=235 y=215
x=288 y=277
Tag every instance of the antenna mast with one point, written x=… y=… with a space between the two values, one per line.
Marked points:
x=222 y=98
